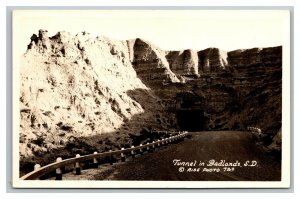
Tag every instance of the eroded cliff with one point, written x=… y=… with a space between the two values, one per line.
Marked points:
x=80 y=94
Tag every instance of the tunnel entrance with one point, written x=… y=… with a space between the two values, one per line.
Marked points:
x=189 y=111
x=190 y=120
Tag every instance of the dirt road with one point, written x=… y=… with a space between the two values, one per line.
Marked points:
x=206 y=156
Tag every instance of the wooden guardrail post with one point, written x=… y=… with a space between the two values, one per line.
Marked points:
x=95 y=161
x=122 y=155
x=110 y=158
x=132 y=152
x=141 y=150
x=36 y=167
x=148 y=148
x=158 y=144
x=153 y=146
x=77 y=166
x=58 y=175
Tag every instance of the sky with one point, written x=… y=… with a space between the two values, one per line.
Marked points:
x=169 y=30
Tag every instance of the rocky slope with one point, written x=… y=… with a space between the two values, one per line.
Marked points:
x=80 y=94
x=80 y=89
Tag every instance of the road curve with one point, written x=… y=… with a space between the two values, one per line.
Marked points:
x=229 y=146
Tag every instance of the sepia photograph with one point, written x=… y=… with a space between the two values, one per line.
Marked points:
x=151 y=98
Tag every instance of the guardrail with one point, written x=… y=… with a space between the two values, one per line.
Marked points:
x=256 y=131
x=132 y=151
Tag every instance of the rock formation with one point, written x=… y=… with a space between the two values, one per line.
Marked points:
x=255 y=56
x=151 y=64
x=212 y=60
x=78 y=87
x=183 y=62
x=106 y=92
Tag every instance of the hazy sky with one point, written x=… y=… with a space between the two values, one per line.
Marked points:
x=228 y=30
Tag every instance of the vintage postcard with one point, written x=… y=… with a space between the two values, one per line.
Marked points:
x=151 y=98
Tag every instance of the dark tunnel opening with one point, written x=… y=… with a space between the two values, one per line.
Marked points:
x=191 y=120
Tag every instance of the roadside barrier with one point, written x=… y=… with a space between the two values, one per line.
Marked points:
x=131 y=151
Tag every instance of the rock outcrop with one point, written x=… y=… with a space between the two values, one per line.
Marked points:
x=255 y=56
x=212 y=60
x=183 y=62
x=151 y=64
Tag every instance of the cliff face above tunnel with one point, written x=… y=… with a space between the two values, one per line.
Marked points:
x=81 y=87
x=235 y=89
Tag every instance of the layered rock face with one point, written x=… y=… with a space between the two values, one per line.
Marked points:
x=151 y=64
x=232 y=90
x=80 y=87
x=183 y=62
x=255 y=56
x=212 y=60
x=103 y=93
x=191 y=62
x=239 y=88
